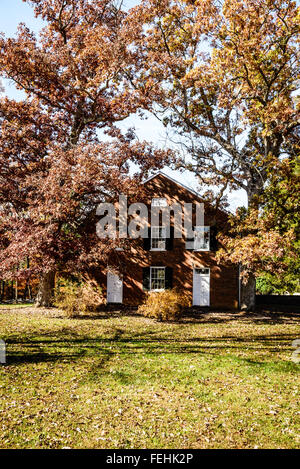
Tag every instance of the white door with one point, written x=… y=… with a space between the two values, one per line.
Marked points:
x=201 y=285
x=114 y=288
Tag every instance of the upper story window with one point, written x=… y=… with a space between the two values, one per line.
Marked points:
x=201 y=238
x=159 y=202
x=158 y=238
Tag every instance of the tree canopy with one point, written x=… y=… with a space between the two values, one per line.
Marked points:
x=222 y=74
x=55 y=165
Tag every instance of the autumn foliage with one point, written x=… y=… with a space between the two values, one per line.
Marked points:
x=267 y=242
x=61 y=152
x=77 y=296
x=167 y=305
x=222 y=75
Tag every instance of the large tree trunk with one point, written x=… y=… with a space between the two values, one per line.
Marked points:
x=247 y=294
x=45 y=291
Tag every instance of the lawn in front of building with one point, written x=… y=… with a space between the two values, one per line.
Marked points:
x=118 y=380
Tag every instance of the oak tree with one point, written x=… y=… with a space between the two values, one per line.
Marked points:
x=55 y=164
x=222 y=75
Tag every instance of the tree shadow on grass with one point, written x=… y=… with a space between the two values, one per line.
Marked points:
x=198 y=316
x=69 y=347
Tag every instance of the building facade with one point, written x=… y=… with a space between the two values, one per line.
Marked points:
x=159 y=261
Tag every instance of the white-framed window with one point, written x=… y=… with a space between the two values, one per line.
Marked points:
x=157 y=278
x=159 y=202
x=158 y=238
x=201 y=238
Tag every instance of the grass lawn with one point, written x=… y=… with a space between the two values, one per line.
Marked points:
x=15 y=306
x=121 y=381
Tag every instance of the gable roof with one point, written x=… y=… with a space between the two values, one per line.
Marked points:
x=161 y=173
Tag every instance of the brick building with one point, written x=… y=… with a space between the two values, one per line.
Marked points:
x=160 y=262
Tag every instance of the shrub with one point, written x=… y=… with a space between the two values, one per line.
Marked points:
x=164 y=305
x=77 y=296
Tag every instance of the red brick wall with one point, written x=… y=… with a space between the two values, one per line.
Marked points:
x=223 y=279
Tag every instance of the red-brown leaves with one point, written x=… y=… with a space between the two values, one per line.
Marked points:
x=54 y=169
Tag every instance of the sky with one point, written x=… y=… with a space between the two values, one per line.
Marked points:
x=13 y=12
